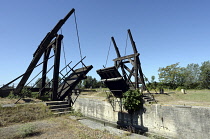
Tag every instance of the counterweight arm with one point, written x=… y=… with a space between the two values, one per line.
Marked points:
x=40 y=50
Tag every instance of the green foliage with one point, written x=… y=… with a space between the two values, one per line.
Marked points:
x=46 y=97
x=169 y=74
x=39 y=82
x=179 y=88
x=12 y=96
x=24 y=93
x=91 y=82
x=191 y=77
x=205 y=75
x=152 y=78
x=110 y=97
x=192 y=72
x=79 y=85
x=132 y=100
x=76 y=113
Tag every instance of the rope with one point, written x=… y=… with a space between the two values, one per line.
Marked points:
x=108 y=53
x=126 y=43
x=64 y=54
x=77 y=35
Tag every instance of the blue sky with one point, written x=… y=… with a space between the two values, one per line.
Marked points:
x=165 y=32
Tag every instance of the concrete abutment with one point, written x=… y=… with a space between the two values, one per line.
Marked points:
x=168 y=120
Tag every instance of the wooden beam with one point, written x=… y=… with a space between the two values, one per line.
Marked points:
x=126 y=57
x=56 y=67
x=112 y=79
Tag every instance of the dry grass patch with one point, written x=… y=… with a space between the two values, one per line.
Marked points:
x=64 y=127
x=23 y=113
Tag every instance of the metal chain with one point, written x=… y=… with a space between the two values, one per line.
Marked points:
x=64 y=54
x=126 y=43
x=77 y=35
x=108 y=53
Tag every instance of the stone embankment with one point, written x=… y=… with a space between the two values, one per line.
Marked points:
x=173 y=121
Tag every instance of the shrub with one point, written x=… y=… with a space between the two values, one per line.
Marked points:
x=132 y=100
x=179 y=88
x=12 y=95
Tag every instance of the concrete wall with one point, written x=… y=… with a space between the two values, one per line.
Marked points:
x=172 y=121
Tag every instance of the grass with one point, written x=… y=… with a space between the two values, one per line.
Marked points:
x=55 y=127
x=192 y=97
x=77 y=130
x=27 y=130
x=76 y=113
x=197 y=95
x=23 y=113
x=36 y=121
x=68 y=128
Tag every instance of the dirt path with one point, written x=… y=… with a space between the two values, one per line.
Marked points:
x=65 y=127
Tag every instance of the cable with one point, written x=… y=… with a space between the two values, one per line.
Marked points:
x=64 y=54
x=108 y=53
x=77 y=35
x=126 y=43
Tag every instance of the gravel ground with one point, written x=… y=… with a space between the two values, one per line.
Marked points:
x=96 y=125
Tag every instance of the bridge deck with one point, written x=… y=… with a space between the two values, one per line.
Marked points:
x=71 y=81
x=113 y=80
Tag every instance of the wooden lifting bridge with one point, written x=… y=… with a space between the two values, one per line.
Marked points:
x=60 y=88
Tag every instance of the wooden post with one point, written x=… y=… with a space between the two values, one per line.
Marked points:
x=56 y=67
x=44 y=70
x=120 y=63
x=135 y=60
x=40 y=50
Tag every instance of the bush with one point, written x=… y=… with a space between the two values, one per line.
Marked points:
x=132 y=100
x=12 y=95
x=179 y=88
x=24 y=93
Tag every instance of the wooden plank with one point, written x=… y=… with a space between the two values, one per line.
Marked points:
x=112 y=79
x=126 y=57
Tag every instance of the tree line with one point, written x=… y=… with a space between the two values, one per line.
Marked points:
x=193 y=76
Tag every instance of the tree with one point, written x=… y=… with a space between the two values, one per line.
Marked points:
x=192 y=73
x=39 y=82
x=90 y=82
x=79 y=85
x=170 y=75
x=205 y=75
x=152 y=78
x=153 y=84
x=180 y=77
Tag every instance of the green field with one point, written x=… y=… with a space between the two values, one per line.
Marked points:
x=192 y=97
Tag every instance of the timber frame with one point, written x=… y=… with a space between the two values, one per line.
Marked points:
x=59 y=88
x=133 y=59
x=117 y=83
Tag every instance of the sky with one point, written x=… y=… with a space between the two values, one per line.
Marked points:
x=165 y=32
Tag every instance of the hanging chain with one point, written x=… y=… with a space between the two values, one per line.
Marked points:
x=64 y=54
x=108 y=53
x=126 y=43
x=77 y=35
